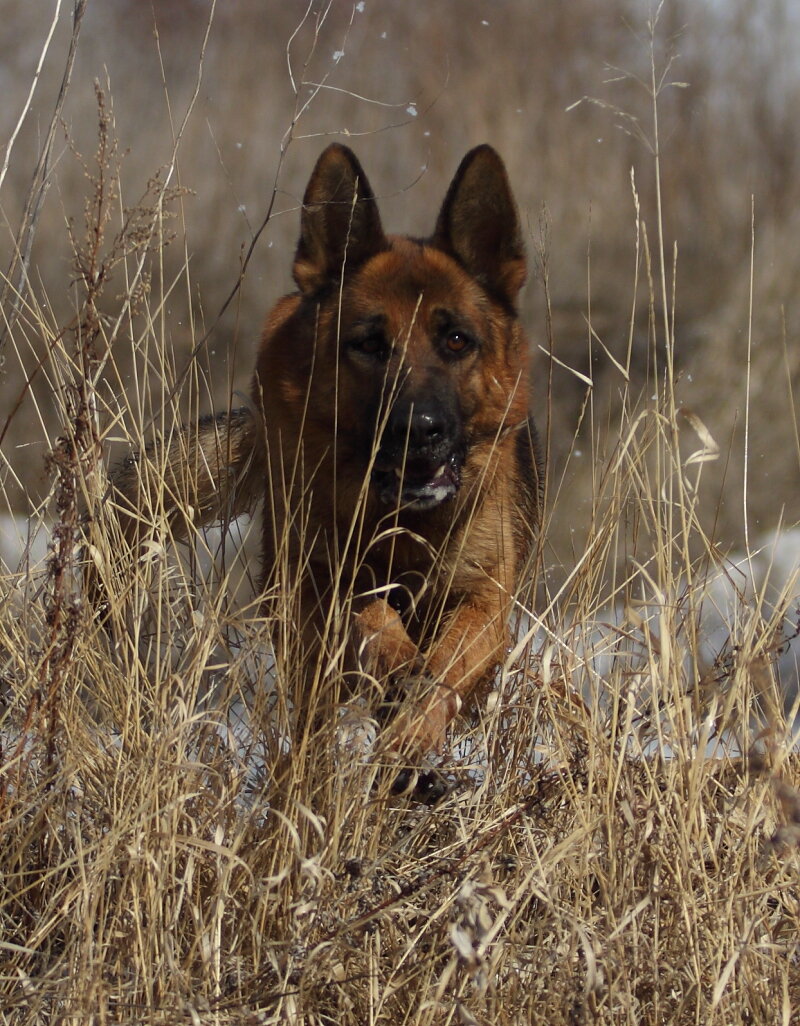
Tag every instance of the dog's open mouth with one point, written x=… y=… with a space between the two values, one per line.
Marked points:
x=420 y=484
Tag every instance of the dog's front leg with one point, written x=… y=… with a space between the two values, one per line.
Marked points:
x=434 y=685
x=464 y=653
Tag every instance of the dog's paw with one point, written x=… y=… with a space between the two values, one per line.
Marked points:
x=418 y=722
x=426 y=786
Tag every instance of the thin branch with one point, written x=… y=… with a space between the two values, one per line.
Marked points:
x=27 y=105
x=39 y=185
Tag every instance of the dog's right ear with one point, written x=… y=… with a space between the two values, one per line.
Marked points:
x=340 y=226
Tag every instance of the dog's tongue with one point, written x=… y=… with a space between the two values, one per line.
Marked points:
x=420 y=472
x=419 y=484
x=422 y=486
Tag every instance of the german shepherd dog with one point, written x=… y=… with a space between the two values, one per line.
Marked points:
x=389 y=443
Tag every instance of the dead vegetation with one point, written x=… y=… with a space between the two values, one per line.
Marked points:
x=620 y=843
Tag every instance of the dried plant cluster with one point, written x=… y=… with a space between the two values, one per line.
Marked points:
x=621 y=841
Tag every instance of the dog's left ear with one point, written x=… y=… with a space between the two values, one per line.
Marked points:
x=479 y=225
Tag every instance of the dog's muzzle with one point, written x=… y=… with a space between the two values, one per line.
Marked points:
x=418 y=465
x=419 y=483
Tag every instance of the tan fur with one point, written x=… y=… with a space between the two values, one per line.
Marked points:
x=382 y=324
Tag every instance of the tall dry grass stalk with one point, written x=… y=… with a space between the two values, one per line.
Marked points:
x=620 y=843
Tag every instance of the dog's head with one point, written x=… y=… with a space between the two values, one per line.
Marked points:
x=419 y=338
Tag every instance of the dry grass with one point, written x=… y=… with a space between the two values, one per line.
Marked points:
x=621 y=840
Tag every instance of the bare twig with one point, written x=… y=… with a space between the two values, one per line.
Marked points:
x=17 y=274
x=27 y=105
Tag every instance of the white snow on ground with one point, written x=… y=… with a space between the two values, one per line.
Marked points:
x=23 y=543
x=768 y=580
x=740 y=595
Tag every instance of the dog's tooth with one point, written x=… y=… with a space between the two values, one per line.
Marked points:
x=398 y=472
x=440 y=471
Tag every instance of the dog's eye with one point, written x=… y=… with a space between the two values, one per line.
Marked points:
x=370 y=345
x=457 y=342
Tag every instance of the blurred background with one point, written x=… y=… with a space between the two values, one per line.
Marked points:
x=563 y=91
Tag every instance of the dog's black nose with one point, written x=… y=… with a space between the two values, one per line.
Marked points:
x=420 y=425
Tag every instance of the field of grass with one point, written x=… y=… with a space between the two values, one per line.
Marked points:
x=621 y=840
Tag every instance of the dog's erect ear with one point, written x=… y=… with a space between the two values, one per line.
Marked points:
x=340 y=226
x=479 y=225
